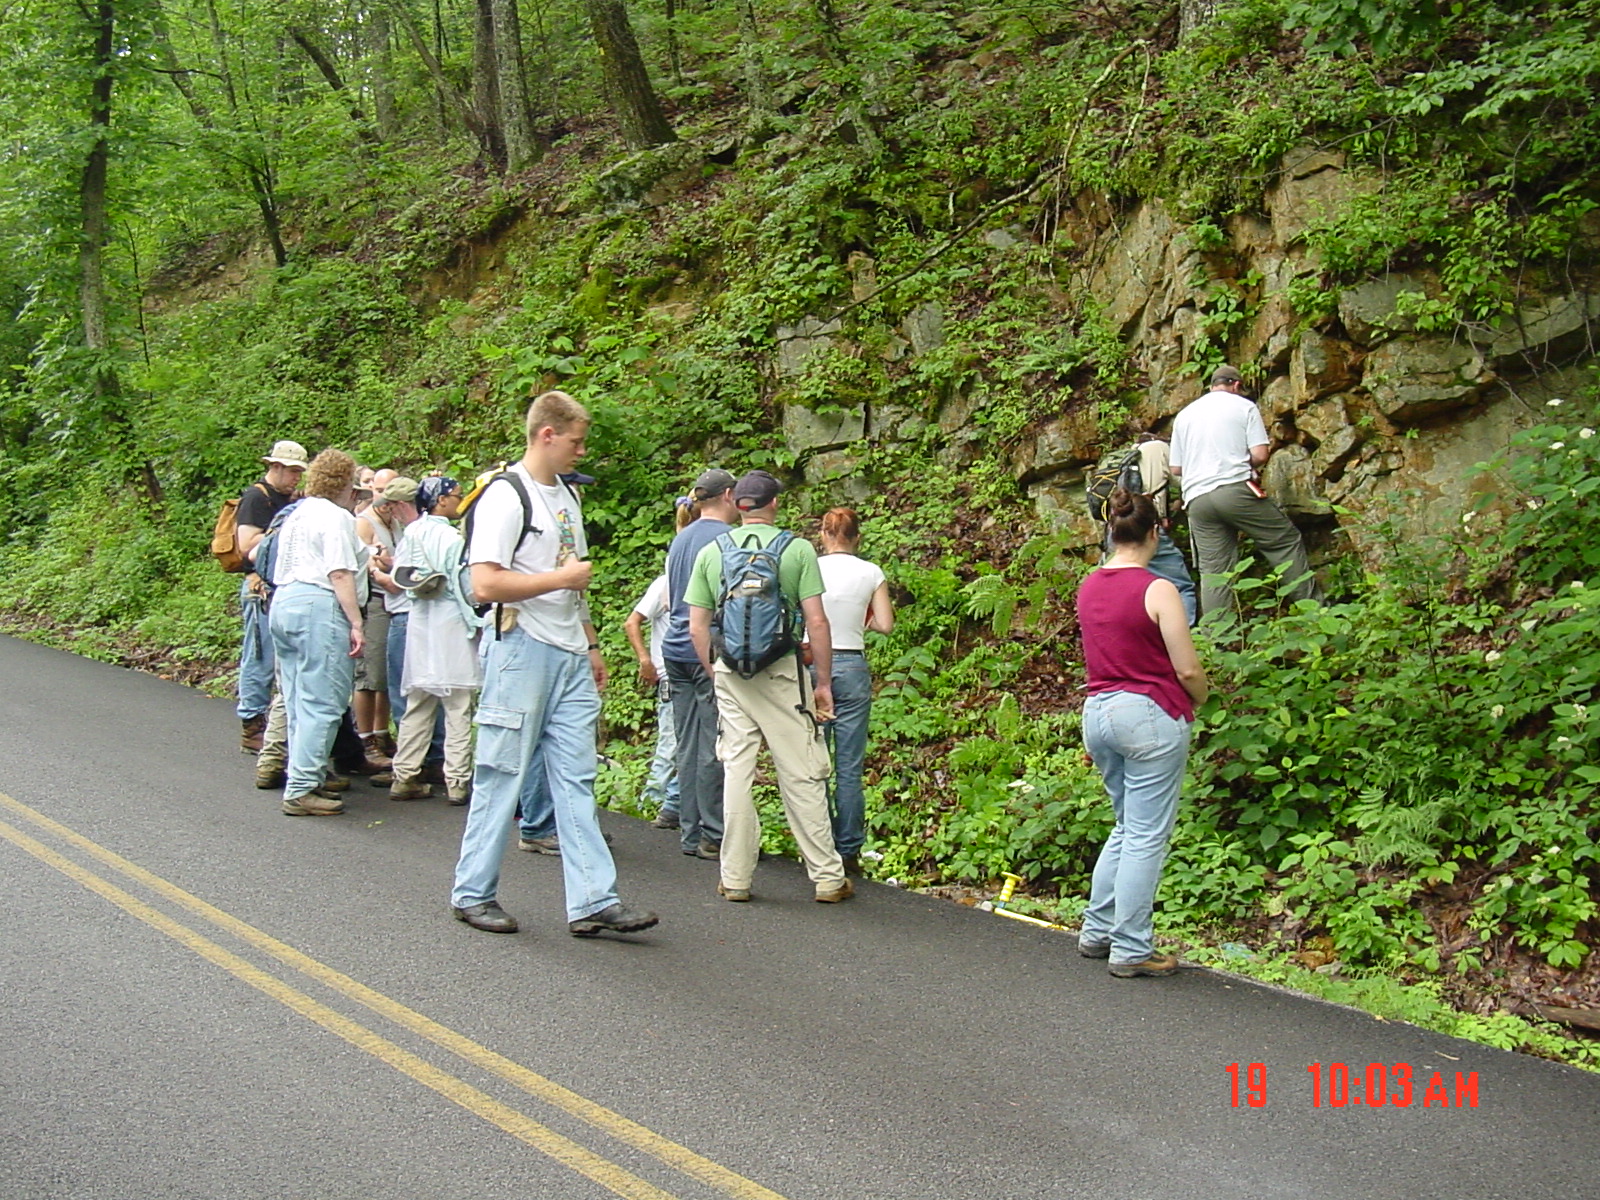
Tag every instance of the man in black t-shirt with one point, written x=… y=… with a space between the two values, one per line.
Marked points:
x=262 y=501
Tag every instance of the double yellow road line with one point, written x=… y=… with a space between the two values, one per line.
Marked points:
x=564 y=1150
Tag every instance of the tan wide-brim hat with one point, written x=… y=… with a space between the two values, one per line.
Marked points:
x=286 y=454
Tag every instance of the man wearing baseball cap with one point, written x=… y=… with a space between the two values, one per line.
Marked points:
x=694 y=702
x=1219 y=444
x=776 y=704
x=261 y=501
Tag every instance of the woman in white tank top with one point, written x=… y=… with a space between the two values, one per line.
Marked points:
x=856 y=599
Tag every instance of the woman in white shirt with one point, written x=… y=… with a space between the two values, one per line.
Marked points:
x=856 y=599
x=316 y=625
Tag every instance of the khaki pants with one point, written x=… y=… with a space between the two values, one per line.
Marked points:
x=416 y=733
x=766 y=707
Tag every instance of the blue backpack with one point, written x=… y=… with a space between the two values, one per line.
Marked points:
x=753 y=625
x=267 y=550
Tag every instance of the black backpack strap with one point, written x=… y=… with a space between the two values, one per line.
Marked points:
x=528 y=526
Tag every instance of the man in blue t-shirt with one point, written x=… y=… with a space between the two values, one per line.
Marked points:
x=694 y=702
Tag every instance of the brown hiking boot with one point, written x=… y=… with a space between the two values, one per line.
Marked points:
x=409 y=789
x=834 y=895
x=270 y=776
x=317 y=803
x=251 y=730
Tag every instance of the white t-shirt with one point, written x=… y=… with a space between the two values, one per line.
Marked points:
x=316 y=538
x=849 y=584
x=555 y=618
x=654 y=608
x=1211 y=442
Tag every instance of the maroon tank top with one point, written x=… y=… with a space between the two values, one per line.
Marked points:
x=1122 y=646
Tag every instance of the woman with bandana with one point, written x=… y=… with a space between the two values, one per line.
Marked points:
x=441 y=665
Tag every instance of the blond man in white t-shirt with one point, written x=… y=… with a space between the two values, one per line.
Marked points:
x=542 y=674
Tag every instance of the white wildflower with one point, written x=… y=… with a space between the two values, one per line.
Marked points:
x=1498 y=711
x=1581 y=711
x=1586 y=433
x=1466 y=517
x=1534 y=505
x=1552 y=404
x=1577 y=585
x=1492 y=656
x=1560 y=741
x=1558 y=445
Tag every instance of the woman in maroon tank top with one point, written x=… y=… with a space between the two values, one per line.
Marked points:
x=1144 y=681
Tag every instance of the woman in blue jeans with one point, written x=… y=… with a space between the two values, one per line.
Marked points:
x=1144 y=682
x=856 y=599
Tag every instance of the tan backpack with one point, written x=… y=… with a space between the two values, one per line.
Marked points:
x=225 y=538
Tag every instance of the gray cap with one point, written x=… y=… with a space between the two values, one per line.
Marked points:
x=755 y=489
x=712 y=483
x=1225 y=374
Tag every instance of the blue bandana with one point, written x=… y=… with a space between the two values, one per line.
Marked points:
x=431 y=489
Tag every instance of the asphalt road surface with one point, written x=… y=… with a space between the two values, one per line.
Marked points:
x=201 y=997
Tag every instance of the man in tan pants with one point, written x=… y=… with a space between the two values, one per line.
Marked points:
x=776 y=703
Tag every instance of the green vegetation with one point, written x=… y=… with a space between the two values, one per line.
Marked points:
x=1401 y=782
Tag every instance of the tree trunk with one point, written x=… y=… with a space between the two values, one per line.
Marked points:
x=758 y=92
x=381 y=71
x=1193 y=15
x=516 y=119
x=486 y=86
x=448 y=94
x=257 y=172
x=633 y=97
x=110 y=407
x=330 y=74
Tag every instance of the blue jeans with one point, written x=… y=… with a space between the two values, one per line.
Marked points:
x=694 y=708
x=1141 y=753
x=311 y=637
x=255 y=657
x=538 y=711
x=1170 y=565
x=847 y=739
x=662 y=787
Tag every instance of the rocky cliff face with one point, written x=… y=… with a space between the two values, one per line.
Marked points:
x=1368 y=413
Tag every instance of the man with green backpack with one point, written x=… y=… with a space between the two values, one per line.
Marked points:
x=748 y=593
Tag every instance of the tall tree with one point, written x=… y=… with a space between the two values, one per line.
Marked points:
x=516 y=116
x=109 y=403
x=633 y=97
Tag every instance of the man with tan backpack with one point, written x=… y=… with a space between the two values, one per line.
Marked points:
x=261 y=501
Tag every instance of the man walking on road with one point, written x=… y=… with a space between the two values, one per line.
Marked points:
x=777 y=704
x=1219 y=444
x=689 y=683
x=542 y=674
x=262 y=501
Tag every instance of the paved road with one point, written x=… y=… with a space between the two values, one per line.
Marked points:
x=200 y=997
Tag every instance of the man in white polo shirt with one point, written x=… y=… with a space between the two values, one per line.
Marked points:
x=1219 y=444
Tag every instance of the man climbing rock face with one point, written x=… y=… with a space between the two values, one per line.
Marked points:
x=1219 y=444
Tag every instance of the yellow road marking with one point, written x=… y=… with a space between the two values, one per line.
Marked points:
x=565 y=1151
x=681 y=1158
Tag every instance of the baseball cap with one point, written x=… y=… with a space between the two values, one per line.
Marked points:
x=400 y=489
x=755 y=489
x=286 y=454
x=712 y=483
x=1225 y=374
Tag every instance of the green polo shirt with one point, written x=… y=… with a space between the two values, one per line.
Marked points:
x=798 y=573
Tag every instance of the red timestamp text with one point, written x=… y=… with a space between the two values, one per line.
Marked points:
x=1376 y=1085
